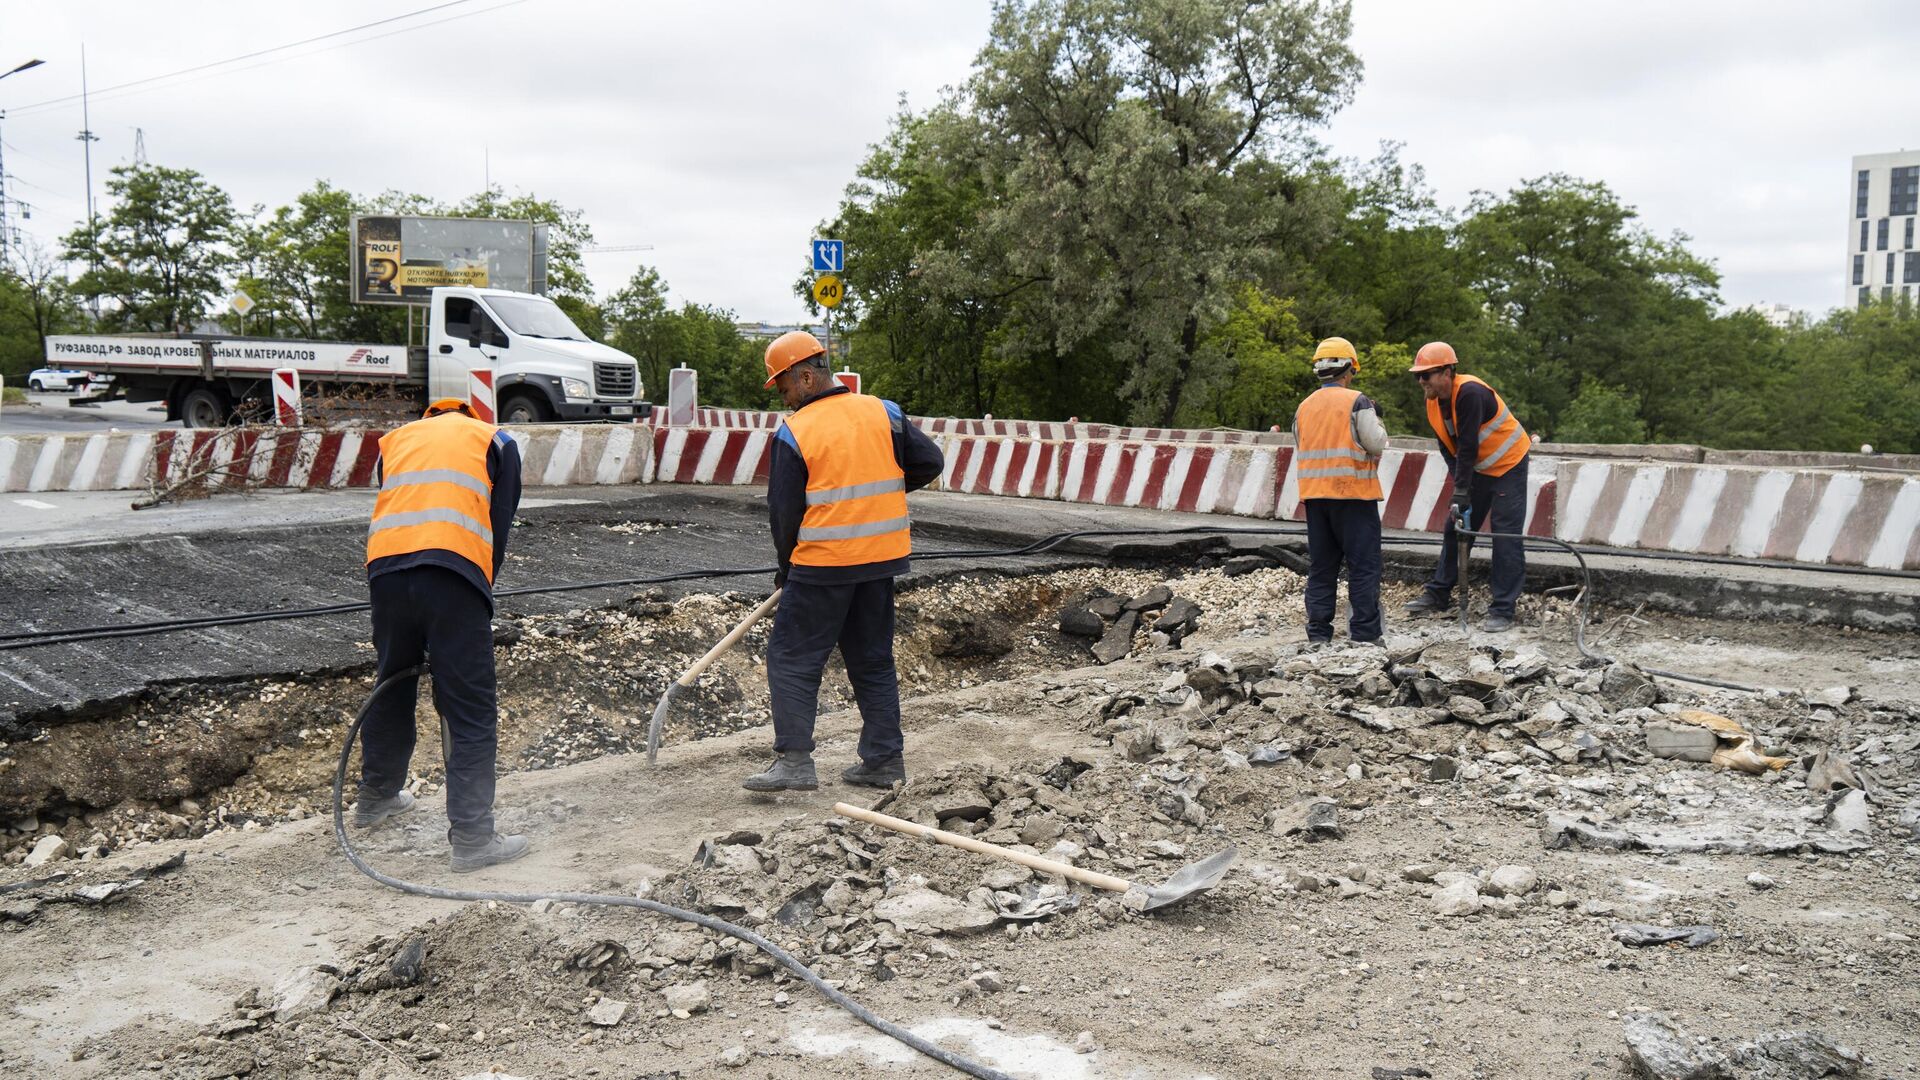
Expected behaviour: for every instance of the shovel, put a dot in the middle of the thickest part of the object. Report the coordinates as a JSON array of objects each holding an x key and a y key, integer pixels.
[
  {"x": 1463, "y": 543},
  {"x": 1189, "y": 879},
  {"x": 700, "y": 666}
]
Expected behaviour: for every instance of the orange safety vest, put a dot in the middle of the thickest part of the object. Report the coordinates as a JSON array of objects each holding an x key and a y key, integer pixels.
[
  {"x": 856, "y": 491},
  {"x": 1503, "y": 442},
  {"x": 435, "y": 494},
  {"x": 1327, "y": 457}
]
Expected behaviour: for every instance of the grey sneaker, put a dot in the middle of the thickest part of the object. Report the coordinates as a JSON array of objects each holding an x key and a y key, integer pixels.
[
  {"x": 370, "y": 812},
  {"x": 881, "y": 774},
  {"x": 500, "y": 849},
  {"x": 1497, "y": 624},
  {"x": 1429, "y": 603},
  {"x": 790, "y": 771}
]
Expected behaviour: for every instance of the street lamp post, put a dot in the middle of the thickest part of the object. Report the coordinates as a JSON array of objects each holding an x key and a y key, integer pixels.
[{"x": 6, "y": 226}]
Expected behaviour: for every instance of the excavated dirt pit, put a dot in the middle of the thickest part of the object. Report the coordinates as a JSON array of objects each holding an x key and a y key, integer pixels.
[{"x": 1445, "y": 847}]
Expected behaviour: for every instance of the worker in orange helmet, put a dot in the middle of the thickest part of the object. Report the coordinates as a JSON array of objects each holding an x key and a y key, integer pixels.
[
  {"x": 839, "y": 473},
  {"x": 449, "y": 486},
  {"x": 1337, "y": 443},
  {"x": 1486, "y": 449}
]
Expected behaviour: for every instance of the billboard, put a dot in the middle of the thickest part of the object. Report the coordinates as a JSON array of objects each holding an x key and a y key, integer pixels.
[{"x": 399, "y": 259}]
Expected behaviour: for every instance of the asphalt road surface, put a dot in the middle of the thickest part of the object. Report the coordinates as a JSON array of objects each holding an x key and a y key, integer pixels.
[{"x": 55, "y": 414}]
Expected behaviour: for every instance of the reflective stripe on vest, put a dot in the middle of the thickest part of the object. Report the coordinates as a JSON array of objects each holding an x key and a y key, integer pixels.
[
  {"x": 1503, "y": 442},
  {"x": 1328, "y": 460},
  {"x": 856, "y": 491},
  {"x": 435, "y": 494}
]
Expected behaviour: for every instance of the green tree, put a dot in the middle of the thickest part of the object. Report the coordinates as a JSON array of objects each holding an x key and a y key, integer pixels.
[
  {"x": 1253, "y": 369},
  {"x": 641, "y": 323},
  {"x": 1601, "y": 414},
  {"x": 1137, "y": 152},
  {"x": 34, "y": 302},
  {"x": 161, "y": 256}
]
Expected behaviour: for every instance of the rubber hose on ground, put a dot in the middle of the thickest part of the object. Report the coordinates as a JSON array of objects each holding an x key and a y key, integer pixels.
[{"x": 780, "y": 956}]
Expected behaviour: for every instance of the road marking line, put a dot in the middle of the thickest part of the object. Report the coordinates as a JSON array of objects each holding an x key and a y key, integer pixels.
[{"x": 35, "y": 504}]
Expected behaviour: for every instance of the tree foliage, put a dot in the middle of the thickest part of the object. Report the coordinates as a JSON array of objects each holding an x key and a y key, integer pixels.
[{"x": 162, "y": 254}]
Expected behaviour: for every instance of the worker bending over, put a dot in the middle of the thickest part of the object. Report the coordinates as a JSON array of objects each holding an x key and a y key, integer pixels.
[
  {"x": 1486, "y": 449},
  {"x": 449, "y": 486},
  {"x": 1338, "y": 440},
  {"x": 841, "y": 467}
]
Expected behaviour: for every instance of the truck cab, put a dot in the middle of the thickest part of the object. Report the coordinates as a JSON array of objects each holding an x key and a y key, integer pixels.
[{"x": 544, "y": 367}]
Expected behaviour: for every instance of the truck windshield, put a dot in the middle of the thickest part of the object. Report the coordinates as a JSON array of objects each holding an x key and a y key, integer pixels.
[{"x": 534, "y": 317}]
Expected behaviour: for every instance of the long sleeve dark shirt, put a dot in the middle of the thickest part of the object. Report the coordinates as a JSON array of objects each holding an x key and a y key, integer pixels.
[
  {"x": 503, "y": 468},
  {"x": 917, "y": 456},
  {"x": 1477, "y": 406}
]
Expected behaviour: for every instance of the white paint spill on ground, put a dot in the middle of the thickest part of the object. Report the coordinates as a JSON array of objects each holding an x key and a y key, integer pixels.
[
  {"x": 34, "y": 504},
  {"x": 1038, "y": 1056}
]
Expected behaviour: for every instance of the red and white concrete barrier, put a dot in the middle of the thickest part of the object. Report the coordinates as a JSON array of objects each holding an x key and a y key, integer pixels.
[
  {"x": 1851, "y": 518},
  {"x": 848, "y": 379},
  {"x": 480, "y": 393},
  {"x": 109, "y": 461},
  {"x": 737, "y": 418},
  {"x": 708, "y": 456},
  {"x": 286, "y": 396}
]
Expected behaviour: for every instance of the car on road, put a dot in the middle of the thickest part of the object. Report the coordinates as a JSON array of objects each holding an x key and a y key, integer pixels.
[{"x": 41, "y": 380}]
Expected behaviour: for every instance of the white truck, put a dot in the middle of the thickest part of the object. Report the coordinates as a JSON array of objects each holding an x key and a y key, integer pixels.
[{"x": 544, "y": 368}]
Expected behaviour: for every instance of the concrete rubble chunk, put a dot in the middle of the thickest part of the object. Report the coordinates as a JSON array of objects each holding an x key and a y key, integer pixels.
[
  {"x": 925, "y": 911},
  {"x": 1848, "y": 813},
  {"x": 1642, "y": 935},
  {"x": 1798, "y": 1055},
  {"x": 1241, "y": 565},
  {"x": 735, "y": 1057},
  {"x": 1118, "y": 640},
  {"x": 1458, "y": 899},
  {"x": 1833, "y": 696},
  {"x": 685, "y": 999},
  {"x": 1659, "y": 1050},
  {"x": 607, "y": 1013},
  {"x": 45, "y": 850},
  {"x": 1106, "y": 605},
  {"x": 306, "y": 992},
  {"x": 1081, "y": 621},
  {"x": 1314, "y": 817},
  {"x": 1628, "y": 688},
  {"x": 1180, "y": 614},
  {"x": 1512, "y": 881},
  {"x": 1686, "y": 742},
  {"x": 1152, "y": 600}
]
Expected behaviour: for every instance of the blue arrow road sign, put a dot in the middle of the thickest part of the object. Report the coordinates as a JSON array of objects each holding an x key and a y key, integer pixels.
[{"x": 829, "y": 256}]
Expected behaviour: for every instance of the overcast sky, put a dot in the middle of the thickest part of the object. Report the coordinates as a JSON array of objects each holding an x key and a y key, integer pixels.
[{"x": 723, "y": 133}]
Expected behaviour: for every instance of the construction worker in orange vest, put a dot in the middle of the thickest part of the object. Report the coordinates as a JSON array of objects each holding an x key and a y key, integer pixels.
[
  {"x": 841, "y": 467},
  {"x": 1337, "y": 442},
  {"x": 1486, "y": 450},
  {"x": 449, "y": 486}
]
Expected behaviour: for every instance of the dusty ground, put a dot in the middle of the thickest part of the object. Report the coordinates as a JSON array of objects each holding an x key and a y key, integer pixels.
[{"x": 1314, "y": 959}]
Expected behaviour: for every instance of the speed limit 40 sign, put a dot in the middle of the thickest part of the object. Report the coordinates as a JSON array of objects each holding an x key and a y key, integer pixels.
[{"x": 827, "y": 291}]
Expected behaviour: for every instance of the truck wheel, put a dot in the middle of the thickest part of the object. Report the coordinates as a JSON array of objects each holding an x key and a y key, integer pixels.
[
  {"x": 204, "y": 408},
  {"x": 525, "y": 407}
]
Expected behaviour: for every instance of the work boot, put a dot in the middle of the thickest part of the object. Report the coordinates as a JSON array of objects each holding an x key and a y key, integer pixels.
[
  {"x": 880, "y": 774},
  {"x": 1429, "y": 603},
  {"x": 369, "y": 810},
  {"x": 498, "y": 849},
  {"x": 792, "y": 770},
  {"x": 1497, "y": 623}
]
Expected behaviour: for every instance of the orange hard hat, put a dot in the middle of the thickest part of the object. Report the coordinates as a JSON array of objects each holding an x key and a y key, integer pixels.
[
  {"x": 447, "y": 404},
  {"x": 1434, "y": 354},
  {"x": 789, "y": 349}
]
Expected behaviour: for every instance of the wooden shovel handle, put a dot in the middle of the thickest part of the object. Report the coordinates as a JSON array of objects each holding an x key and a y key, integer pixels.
[
  {"x": 968, "y": 843},
  {"x": 733, "y": 638}
]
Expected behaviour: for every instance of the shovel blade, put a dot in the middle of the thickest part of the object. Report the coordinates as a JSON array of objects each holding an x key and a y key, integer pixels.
[
  {"x": 1192, "y": 878},
  {"x": 659, "y": 721}
]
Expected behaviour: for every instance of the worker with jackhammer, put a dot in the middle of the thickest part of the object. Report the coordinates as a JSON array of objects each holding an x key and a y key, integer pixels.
[
  {"x": 1337, "y": 442},
  {"x": 839, "y": 474},
  {"x": 1486, "y": 450},
  {"x": 449, "y": 486}
]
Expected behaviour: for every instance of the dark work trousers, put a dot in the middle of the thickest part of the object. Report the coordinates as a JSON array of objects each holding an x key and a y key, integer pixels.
[
  {"x": 811, "y": 620},
  {"x": 1504, "y": 500},
  {"x": 1343, "y": 530},
  {"x": 432, "y": 613}
]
